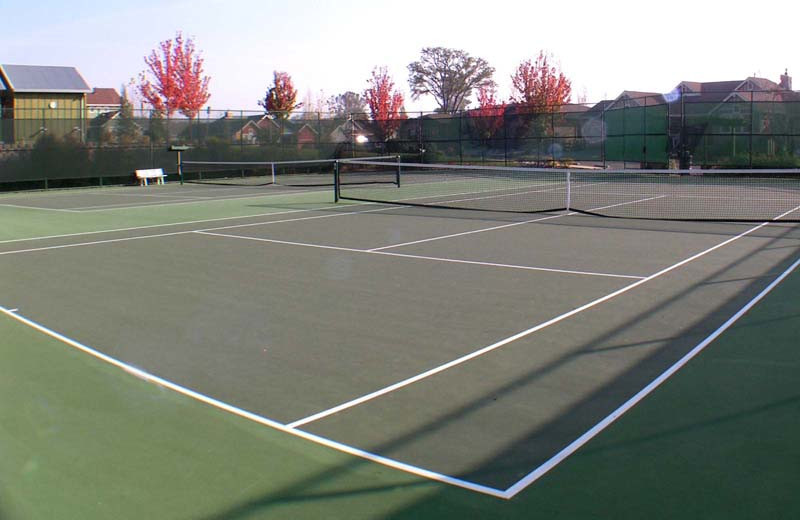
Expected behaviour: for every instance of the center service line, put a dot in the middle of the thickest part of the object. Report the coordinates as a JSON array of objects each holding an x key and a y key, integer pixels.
[
  {"x": 417, "y": 257},
  {"x": 503, "y": 226}
]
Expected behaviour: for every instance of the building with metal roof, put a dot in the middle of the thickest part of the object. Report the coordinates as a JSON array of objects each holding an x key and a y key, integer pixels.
[{"x": 35, "y": 100}]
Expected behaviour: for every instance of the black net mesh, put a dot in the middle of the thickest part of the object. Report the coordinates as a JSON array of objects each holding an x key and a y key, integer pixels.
[{"x": 725, "y": 195}]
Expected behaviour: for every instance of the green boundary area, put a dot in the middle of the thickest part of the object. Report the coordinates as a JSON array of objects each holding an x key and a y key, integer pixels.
[
  {"x": 82, "y": 439},
  {"x": 22, "y": 223}
]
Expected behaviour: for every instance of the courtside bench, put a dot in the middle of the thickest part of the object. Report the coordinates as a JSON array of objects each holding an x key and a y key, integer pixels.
[{"x": 145, "y": 175}]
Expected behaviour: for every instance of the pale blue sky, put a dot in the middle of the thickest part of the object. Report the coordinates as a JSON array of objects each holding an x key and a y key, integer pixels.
[{"x": 331, "y": 46}]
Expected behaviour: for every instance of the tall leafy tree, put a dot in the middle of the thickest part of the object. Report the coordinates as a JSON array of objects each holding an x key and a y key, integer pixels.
[
  {"x": 487, "y": 119},
  {"x": 539, "y": 85},
  {"x": 314, "y": 105},
  {"x": 281, "y": 98},
  {"x": 384, "y": 102},
  {"x": 192, "y": 84},
  {"x": 126, "y": 130},
  {"x": 157, "y": 127},
  {"x": 347, "y": 104},
  {"x": 449, "y": 75},
  {"x": 174, "y": 78}
]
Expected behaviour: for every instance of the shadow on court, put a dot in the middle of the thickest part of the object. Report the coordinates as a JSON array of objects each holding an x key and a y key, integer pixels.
[
  {"x": 788, "y": 230},
  {"x": 597, "y": 472}
]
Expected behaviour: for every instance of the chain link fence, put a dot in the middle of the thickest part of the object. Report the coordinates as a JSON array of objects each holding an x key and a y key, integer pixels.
[{"x": 52, "y": 148}]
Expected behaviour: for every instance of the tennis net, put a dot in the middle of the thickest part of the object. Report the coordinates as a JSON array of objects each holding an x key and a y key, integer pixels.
[
  {"x": 722, "y": 195},
  {"x": 319, "y": 172}
]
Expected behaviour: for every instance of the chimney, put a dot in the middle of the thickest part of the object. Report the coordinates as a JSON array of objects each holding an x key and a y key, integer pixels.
[{"x": 786, "y": 80}]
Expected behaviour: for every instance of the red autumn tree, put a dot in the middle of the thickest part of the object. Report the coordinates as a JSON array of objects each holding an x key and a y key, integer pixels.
[
  {"x": 539, "y": 85},
  {"x": 280, "y": 99},
  {"x": 488, "y": 117},
  {"x": 385, "y": 104},
  {"x": 176, "y": 80}
]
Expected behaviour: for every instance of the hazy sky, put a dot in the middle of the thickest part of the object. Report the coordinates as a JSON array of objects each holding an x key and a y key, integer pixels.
[{"x": 331, "y": 46}]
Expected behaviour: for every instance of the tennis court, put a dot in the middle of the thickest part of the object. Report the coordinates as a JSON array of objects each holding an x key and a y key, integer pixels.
[{"x": 471, "y": 348}]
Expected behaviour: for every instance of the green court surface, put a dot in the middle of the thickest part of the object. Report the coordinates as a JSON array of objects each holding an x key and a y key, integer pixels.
[{"x": 234, "y": 353}]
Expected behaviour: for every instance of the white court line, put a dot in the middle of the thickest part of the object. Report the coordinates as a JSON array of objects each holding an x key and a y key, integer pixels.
[
  {"x": 511, "y": 266},
  {"x": 183, "y": 223},
  {"x": 644, "y": 392},
  {"x": 419, "y": 257},
  {"x": 116, "y": 207},
  {"x": 313, "y": 217},
  {"x": 308, "y": 436},
  {"x": 503, "y": 226},
  {"x": 155, "y": 195},
  {"x": 174, "y": 233},
  {"x": 286, "y": 242},
  {"x": 441, "y": 368},
  {"x": 38, "y": 208},
  {"x": 151, "y": 378},
  {"x": 121, "y": 206},
  {"x": 96, "y": 242}
]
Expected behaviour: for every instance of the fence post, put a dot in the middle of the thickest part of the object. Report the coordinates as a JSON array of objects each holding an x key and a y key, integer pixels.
[
  {"x": 603, "y": 134},
  {"x": 460, "y": 138},
  {"x": 420, "y": 128},
  {"x": 624, "y": 135},
  {"x": 505, "y": 139},
  {"x": 551, "y": 149},
  {"x": 752, "y": 129},
  {"x": 352, "y": 136},
  {"x": 644, "y": 134}
]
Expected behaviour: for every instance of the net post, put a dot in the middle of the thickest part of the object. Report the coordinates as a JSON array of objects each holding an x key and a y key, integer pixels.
[
  {"x": 179, "y": 149},
  {"x": 336, "y": 181},
  {"x": 569, "y": 190},
  {"x": 180, "y": 167},
  {"x": 272, "y": 168},
  {"x": 397, "y": 175}
]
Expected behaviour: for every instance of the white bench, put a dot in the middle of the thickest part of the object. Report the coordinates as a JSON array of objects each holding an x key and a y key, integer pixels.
[{"x": 145, "y": 175}]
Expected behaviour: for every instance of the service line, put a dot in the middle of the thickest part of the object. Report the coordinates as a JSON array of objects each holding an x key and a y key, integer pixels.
[{"x": 477, "y": 353}]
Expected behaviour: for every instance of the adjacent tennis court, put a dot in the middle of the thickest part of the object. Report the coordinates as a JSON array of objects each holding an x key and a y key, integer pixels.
[{"x": 471, "y": 348}]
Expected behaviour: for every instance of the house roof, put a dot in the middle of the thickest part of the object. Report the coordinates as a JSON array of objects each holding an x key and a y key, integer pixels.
[
  {"x": 37, "y": 78},
  {"x": 572, "y": 108},
  {"x": 710, "y": 86},
  {"x": 600, "y": 107},
  {"x": 306, "y": 125},
  {"x": 103, "y": 119},
  {"x": 103, "y": 96},
  {"x": 757, "y": 89},
  {"x": 637, "y": 98}
]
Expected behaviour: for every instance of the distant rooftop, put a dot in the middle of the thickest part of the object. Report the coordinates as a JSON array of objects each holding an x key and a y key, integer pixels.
[
  {"x": 104, "y": 96},
  {"x": 37, "y": 78}
]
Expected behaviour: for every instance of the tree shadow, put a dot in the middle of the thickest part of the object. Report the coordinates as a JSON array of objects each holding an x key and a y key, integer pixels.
[{"x": 503, "y": 469}]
